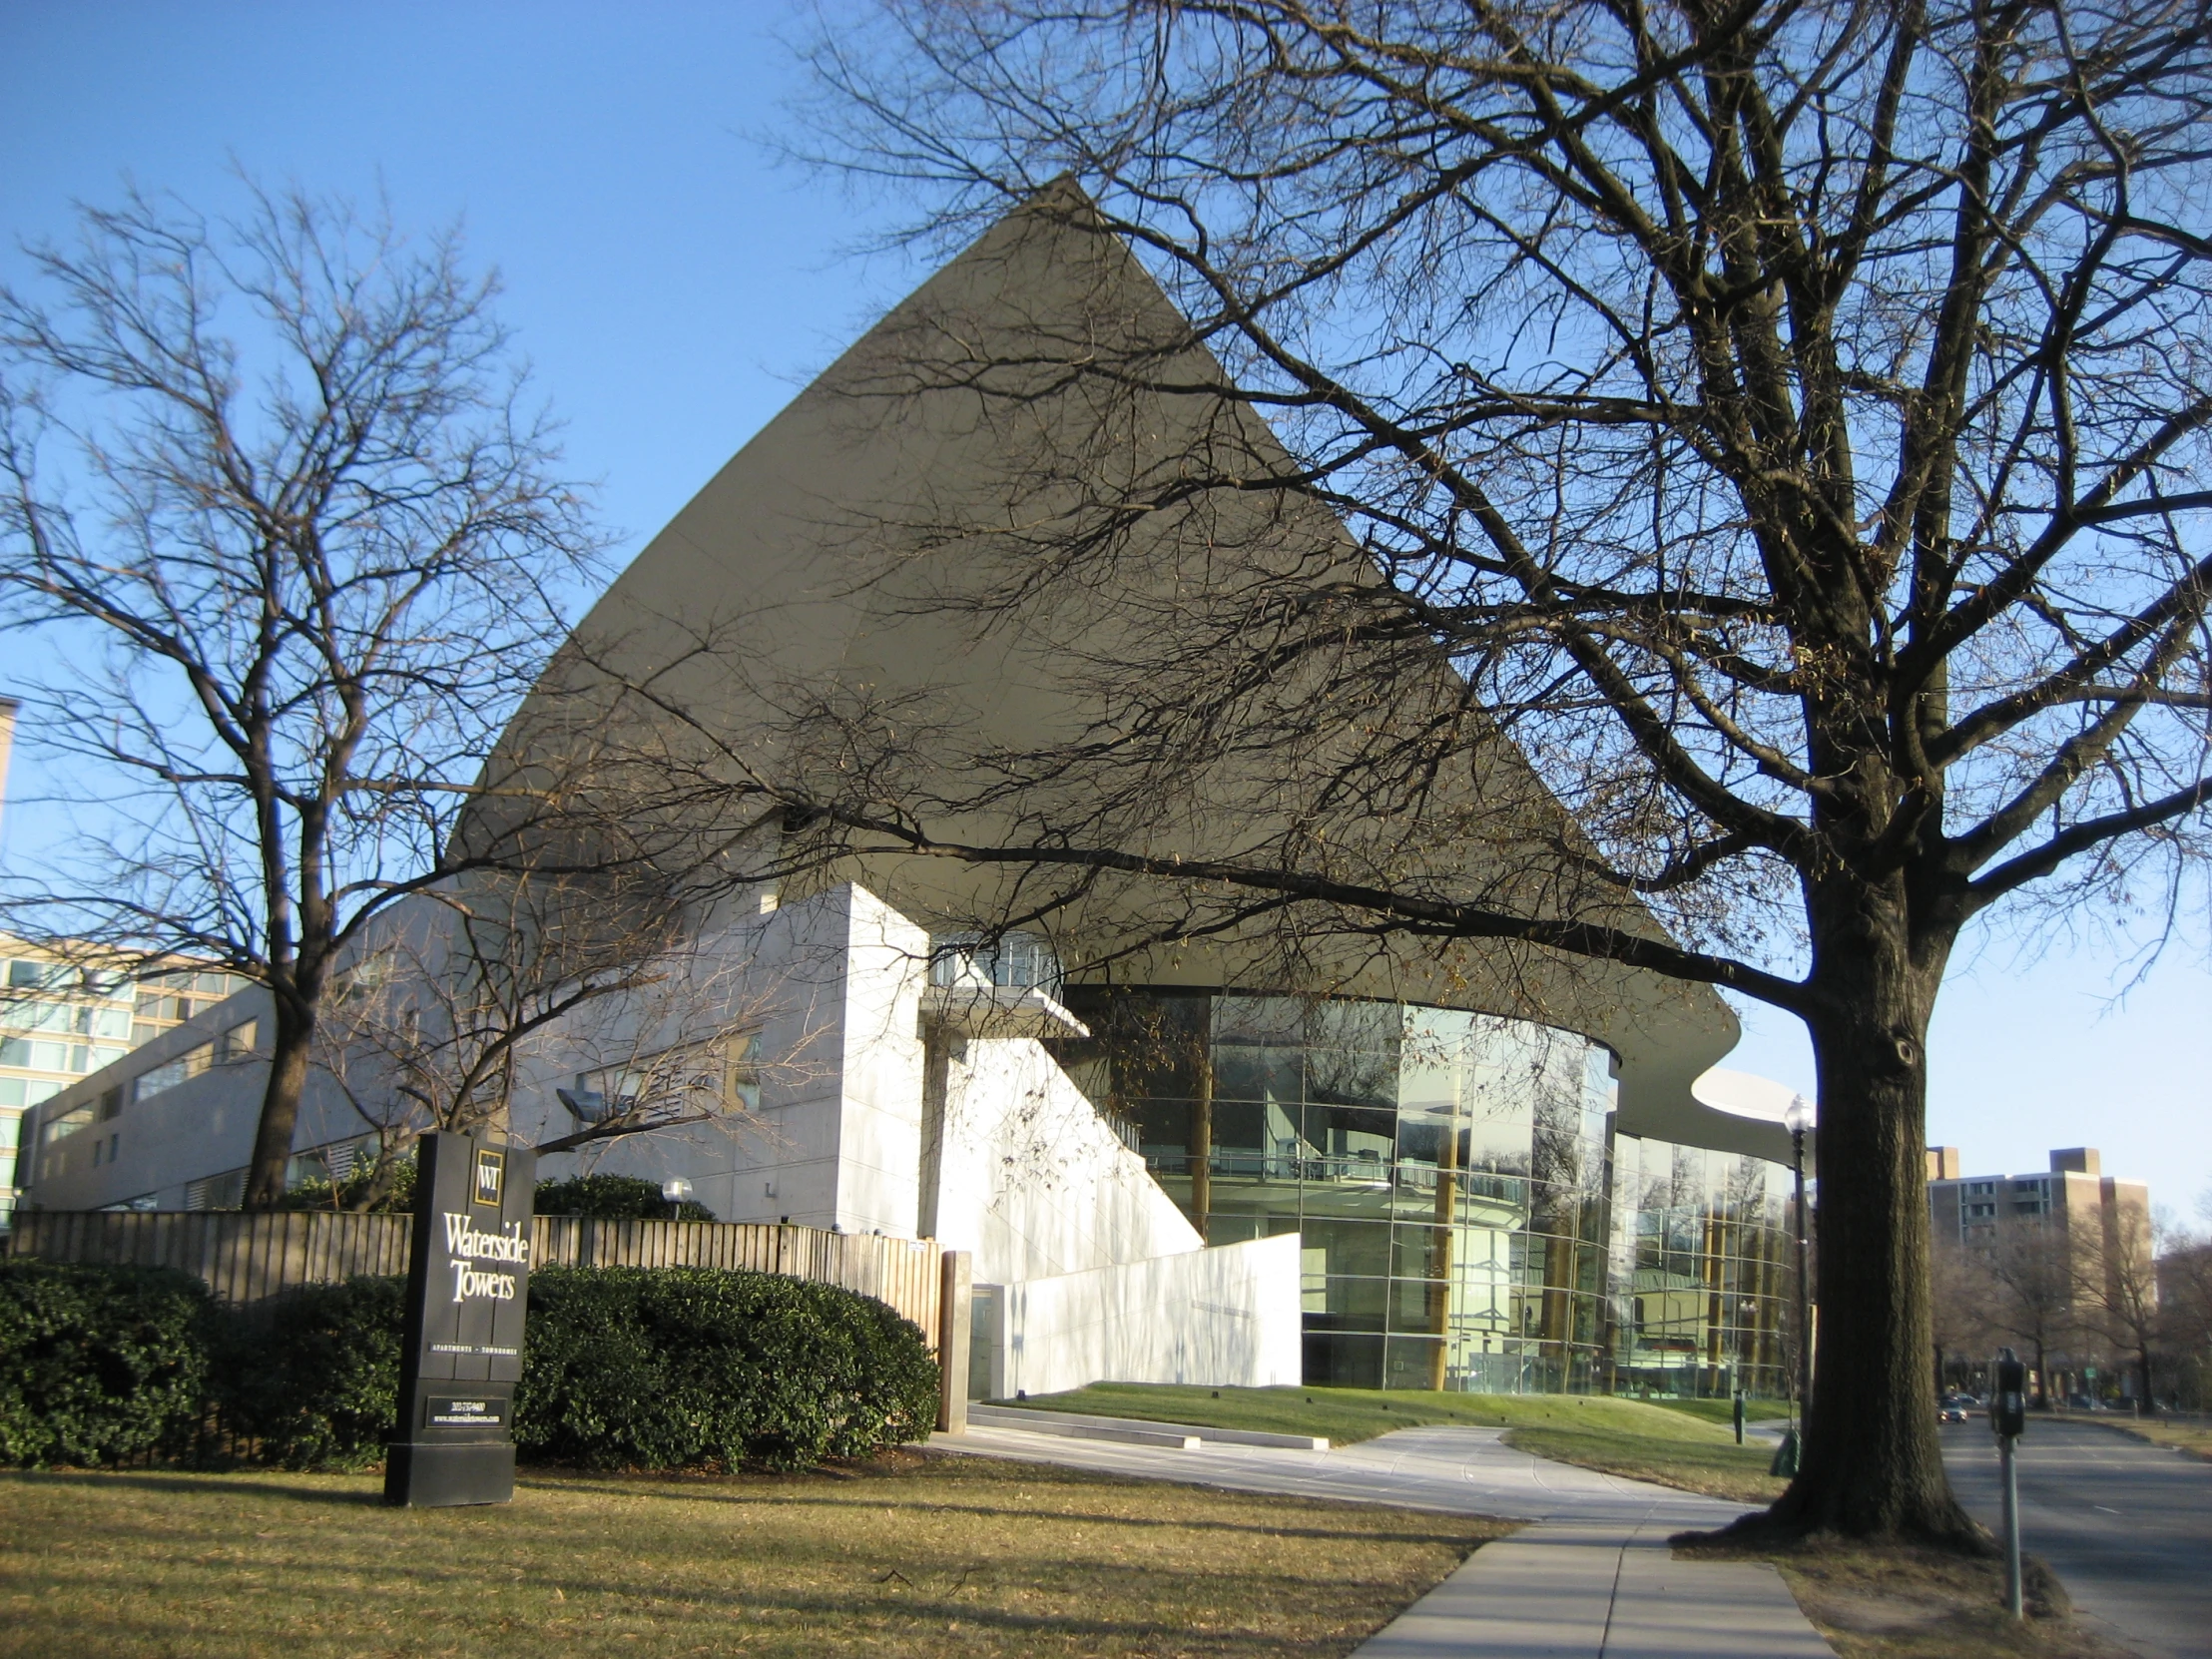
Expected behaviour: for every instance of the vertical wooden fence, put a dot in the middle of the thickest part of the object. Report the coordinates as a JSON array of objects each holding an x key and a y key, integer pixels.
[{"x": 246, "y": 1259}]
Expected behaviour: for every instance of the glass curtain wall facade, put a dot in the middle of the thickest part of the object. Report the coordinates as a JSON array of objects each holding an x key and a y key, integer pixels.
[
  {"x": 1450, "y": 1176},
  {"x": 1446, "y": 1172},
  {"x": 1703, "y": 1272}
]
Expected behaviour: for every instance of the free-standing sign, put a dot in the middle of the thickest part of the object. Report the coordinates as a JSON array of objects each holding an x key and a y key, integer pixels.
[{"x": 468, "y": 1286}]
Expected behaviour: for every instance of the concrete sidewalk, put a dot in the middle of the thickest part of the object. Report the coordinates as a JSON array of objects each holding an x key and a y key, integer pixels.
[
  {"x": 1592, "y": 1578},
  {"x": 1565, "y": 1591}
]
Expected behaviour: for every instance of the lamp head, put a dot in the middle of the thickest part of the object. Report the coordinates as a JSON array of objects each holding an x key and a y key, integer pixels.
[
  {"x": 675, "y": 1189},
  {"x": 1801, "y": 1116}
]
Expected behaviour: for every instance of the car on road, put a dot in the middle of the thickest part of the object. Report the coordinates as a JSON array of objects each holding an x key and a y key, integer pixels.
[{"x": 1950, "y": 1414}]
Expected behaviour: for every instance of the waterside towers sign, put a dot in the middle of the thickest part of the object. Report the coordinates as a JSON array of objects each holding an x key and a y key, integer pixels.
[{"x": 468, "y": 1284}]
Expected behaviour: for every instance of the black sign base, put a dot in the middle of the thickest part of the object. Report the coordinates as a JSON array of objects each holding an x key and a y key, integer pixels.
[{"x": 444, "y": 1475}]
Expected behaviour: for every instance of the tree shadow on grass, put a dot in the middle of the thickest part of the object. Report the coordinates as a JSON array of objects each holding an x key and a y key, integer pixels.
[
  {"x": 256, "y": 1481},
  {"x": 644, "y": 1487}
]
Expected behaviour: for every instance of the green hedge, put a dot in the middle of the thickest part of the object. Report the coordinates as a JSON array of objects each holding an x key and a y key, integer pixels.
[
  {"x": 658, "y": 1368},
  {"x": 624, "y": 1367},
  {"x": 313, "y": 1375},
  {"x": 614, "y": 1198},
  {"x": 100, "y": 1363}
]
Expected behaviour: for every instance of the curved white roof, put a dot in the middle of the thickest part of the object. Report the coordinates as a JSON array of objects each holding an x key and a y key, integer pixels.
[{"x": 805, "y": 573}]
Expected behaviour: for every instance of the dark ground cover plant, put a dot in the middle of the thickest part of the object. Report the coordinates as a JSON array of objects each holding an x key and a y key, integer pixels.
[
  {"x": 313, "y": 1379},
  {"x": 624, "y": 1368},
  {"x": 100, "y": 1363}
]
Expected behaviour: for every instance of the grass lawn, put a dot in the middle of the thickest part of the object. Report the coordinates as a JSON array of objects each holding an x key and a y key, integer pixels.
[
  {"x": 1898, "y": 1602},
  {"x": 2193, "y": 1437},
  {"x": 1723, "y": 1411},
  {"x": 908, "y": 1555},
  {"x": 1621, "y": 1437}
]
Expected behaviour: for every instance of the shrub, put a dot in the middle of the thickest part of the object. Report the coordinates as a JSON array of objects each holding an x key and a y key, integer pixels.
[
  {"x": 356, "y": 1192},
  {"x": 313, "y": 1375},
  {"x": 613, "y": 1197},
  {"x": 659, "y": 1368},
  {"x": 99, "y": 1364},
  {"x": 652, "y": 1368}
]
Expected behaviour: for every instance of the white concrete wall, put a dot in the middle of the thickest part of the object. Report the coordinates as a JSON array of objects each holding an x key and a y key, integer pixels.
[
  {"x": 1028, "y": 1176},
  {"x": 1032, "y": 1180},
  {"x": 833, "y": 985},
  {"x": 1222, "y": 1318},
  {"x": 781, "y": 974},
  {"x": 887, "y": 966}
]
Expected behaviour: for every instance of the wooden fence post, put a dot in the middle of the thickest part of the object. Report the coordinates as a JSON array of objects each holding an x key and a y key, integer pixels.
[{"x": 953, "y": 1302}]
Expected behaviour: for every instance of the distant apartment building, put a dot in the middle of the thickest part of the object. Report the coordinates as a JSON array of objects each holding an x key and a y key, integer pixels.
[
  {"x": 66, "y": 1014},
  {"x": 62, "y": 1018},
  {"x": 2075, "y": 1194},
  {"x": 2098, "y": 1224}
]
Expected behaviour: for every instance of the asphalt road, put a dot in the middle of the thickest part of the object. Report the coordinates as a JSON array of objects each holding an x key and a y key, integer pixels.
[{"x": 2127, "y": 1527}]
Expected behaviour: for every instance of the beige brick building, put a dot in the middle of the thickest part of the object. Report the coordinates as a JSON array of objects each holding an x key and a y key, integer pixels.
[{"x": 2091, "y": 1230}]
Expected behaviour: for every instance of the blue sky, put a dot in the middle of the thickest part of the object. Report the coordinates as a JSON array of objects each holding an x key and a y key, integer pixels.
[{"x": 673, "y": 286}]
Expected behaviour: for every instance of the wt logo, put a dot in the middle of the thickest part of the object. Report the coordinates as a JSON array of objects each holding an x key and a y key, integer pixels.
[{"x": 491, "y": 1176}]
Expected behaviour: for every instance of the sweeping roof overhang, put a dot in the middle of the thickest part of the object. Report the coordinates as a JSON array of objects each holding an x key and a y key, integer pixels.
[{"x": 966, "y": 429}]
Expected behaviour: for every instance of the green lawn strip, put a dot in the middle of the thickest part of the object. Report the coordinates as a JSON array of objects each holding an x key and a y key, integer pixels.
[
  {"x": 908, "y": 1555},
  {"x": 1723, "y": 1410},
  {"x": 1719, "y": 1468},
  {"x": 1645, "y": 1440},
  {"x": 2192, "y": 1437},
  {"x": 1348, "y": 1415}
]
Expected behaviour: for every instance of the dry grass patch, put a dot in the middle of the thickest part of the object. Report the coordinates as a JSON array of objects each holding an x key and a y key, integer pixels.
[
  {"x": 1898, "y": 1602},
  {"x": 908, "y": 1555},
  {"x": 2192, "y": 1437}
]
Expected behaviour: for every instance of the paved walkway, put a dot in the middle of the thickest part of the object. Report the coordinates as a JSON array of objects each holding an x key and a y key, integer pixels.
[{"x": 1591, "y": 1578}]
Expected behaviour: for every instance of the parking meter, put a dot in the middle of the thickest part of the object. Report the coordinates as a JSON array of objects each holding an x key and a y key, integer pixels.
[
  {"x": 2009, "y": 1417},
  {"x": 2009, "y": 1410}
]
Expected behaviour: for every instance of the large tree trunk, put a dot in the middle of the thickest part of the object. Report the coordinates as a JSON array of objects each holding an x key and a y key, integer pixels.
[
  {"x": 289, "y": 1046},
  {"x": 1872, "y": 1461}
]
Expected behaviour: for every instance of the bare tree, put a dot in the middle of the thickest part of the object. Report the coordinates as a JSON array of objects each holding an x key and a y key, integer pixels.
[
  {"x": 2032, "y": 1268},
  {"x": 1960, "y": 1291},
  {"x": 1785, "y": 420},
  {"x": 428, "y": 1019},
  {"x": 2186, "y": 1310},
  {"x": 2117, "y": 1287},
  {"x": 303, "y": 554}
]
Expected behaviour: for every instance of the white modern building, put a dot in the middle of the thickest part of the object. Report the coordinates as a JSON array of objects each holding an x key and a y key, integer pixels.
[
  {"x": 849, "y": 1078},
  {"x": 1385, "y": 1167}
]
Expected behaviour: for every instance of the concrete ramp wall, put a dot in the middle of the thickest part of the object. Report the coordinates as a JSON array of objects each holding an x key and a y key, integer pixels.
[
  {"x": 1031, "y": 1177},
  {"x": 1223, "y": 1317}
]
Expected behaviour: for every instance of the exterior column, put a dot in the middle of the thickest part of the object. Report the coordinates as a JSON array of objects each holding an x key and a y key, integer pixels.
[
  {"x": 954, "y": 1313},
  {"x": 1440, "y": 1294},
  {"x": 1201, "y": 1153}
]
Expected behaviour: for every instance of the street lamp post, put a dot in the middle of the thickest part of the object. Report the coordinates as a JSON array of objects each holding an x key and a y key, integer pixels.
[
  {"x": 1798, "y": 1119},
  {"x": 675, "y": 1189}
]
